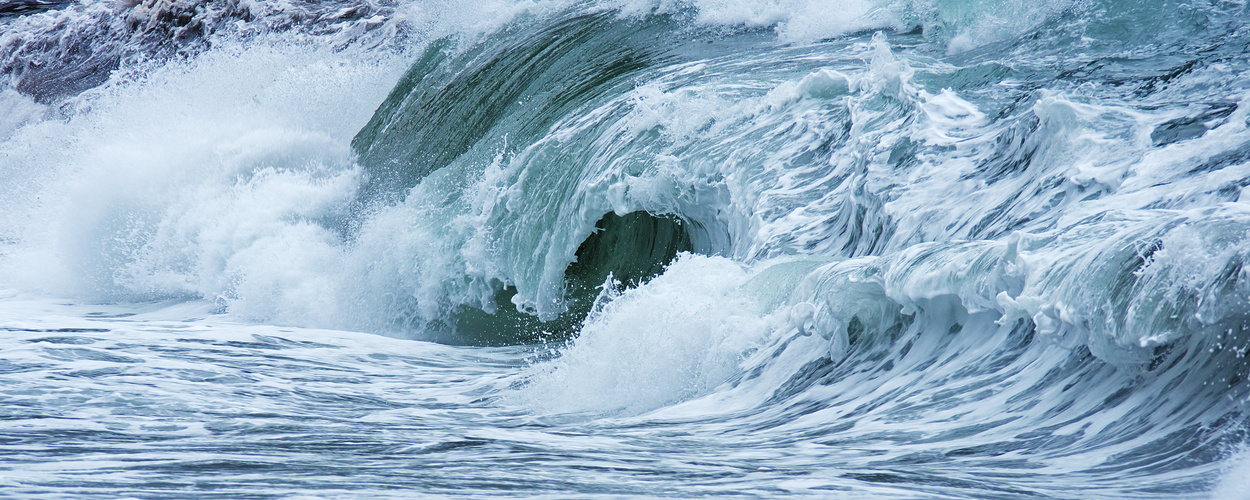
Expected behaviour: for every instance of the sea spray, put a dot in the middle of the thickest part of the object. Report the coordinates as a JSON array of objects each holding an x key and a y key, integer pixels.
[
  {"x": 679, "y": 335},
  {"x": 950, "y": 249}
]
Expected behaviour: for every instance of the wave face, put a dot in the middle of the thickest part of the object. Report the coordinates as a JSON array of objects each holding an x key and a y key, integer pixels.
[{"x": 904, "y": 249}]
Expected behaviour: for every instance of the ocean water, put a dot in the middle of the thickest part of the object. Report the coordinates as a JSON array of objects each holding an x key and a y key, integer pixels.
[{"x": 904, "y": 249}]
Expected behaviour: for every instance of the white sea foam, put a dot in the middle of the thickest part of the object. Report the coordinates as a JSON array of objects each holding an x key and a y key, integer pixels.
[
  {"x": 954, "y": 255},
  {"x": 1235, "y": 483},
  {"x": 960, "y": 24},
  {"x": 203, "y": 179},
  {"x": 679, "y": 335}
]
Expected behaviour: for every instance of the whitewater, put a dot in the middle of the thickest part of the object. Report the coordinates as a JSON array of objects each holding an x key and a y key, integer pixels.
[{"x": 938, "y": 249}]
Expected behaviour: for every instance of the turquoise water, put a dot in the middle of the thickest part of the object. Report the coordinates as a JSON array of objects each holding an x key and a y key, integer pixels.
[{"x": 867, "y": 250}]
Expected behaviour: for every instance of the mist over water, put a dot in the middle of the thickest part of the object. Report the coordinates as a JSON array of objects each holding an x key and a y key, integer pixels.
[{"x": 873, "y": 249}]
